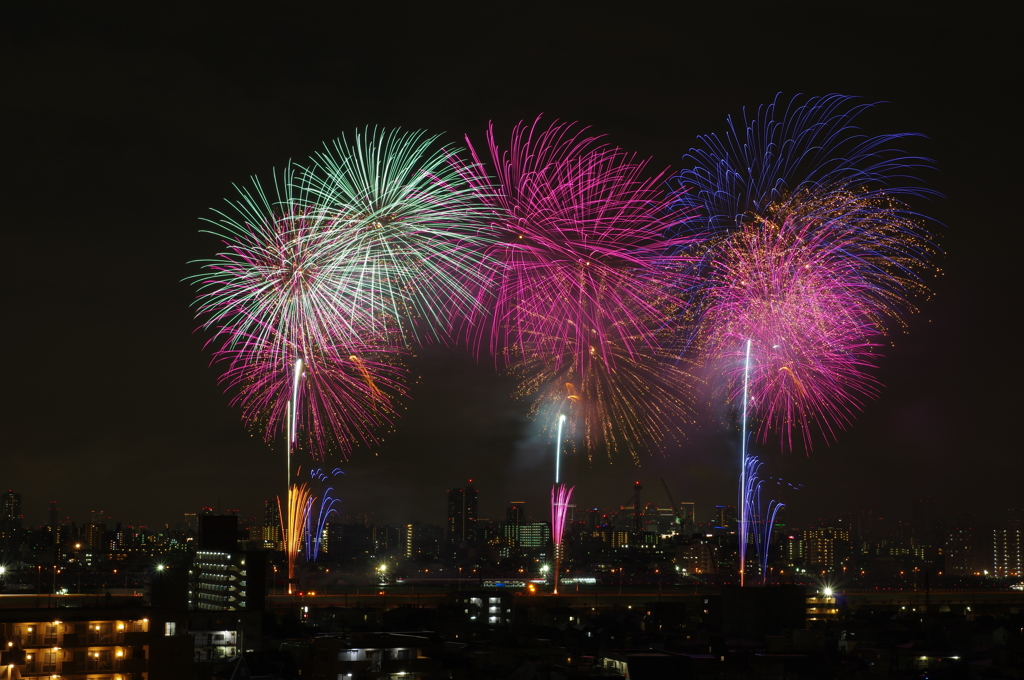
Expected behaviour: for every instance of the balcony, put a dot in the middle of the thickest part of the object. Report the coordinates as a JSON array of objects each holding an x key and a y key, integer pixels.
[
  {"x": 95, "y": 664},
  {"x": 132, "y": 666},
  {"x": 136, "y": 639}
]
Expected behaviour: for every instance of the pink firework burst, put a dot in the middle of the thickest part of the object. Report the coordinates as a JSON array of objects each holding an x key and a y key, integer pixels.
[
  {"x": 812, "y": 287},
  {"x": 587, "y": 274}
]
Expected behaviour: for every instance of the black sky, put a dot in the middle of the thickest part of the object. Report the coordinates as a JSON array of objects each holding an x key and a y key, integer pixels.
[{"x": 124, "y": 126}]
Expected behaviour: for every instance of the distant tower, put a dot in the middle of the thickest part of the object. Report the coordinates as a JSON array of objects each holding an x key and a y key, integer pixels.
[
  {"x": 11, "y": 512},
  {"x": 963, "y": 554},
  {"x": 725, "y": 516},
  {"x": 272, "y": 526},
  {"x": 516, "y": 512},
  {"x": 10, "y": 524},
  {"x": 462, "y": 514},
  {"x": 54, "y": 515},
  {"x": 1008, "y": 546}
]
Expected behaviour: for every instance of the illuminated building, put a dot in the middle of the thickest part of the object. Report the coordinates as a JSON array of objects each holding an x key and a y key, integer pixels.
[
  {"x": 272, "y": 526},
  {"x": 794, "y": 547},
  {"x": 10, "y": 524},
  {"x": 408, "y": 535},
  {"x": 132, "y": 643},
  {"x": 91, "y": 535},
  {"x": 226, "y": 592},
  {"x": 10, "y": 512},
  {"x": 54, "y": 515},
  {"x": 725, "y": 516},
  {"x": 490, "y": 608},
  {"x": 824, "y": 546},
  {"x": 1007, "y": 547},
  {"x": 374, "y": 655},
  {"x": 387, "y": 539},
  {"x": 963, "y": 558},
  {"x": 533, "y": 535},
  {"x": 223, "y": 578},
  {"x": 698, "y": 557}
]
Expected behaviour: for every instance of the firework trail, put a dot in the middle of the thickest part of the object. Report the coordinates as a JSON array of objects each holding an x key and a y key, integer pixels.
[
  {"x": 319, "y": 509},
  {"x": 558, "y": 447},
  {"x": 744, "y": 519},
  {"x": 293, "y": 526},
  {"x": 812, "y": 255},
  {"x": 584, "y": 282},
  {"x": 560, "y": 496},
  {"x": 405, "y": 223},
  {"x": 278, "y": 295},
  {"x": 760, "y": 518}
]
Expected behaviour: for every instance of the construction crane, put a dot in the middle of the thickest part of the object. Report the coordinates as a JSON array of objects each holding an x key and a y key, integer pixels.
[
  {"x": 675, "y": 508},
  {"x": 635, "y": 498},
  {"x": 637, "y": 512}
]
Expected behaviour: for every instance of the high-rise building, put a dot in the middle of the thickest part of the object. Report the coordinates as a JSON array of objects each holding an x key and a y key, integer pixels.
[
  {"x": 793, "y": 543},
  {"x": 687, "y": 513},
  {"x": 10, "y": 514},
  {"x": 516, "y": 512},
  {"x": 10, "y": 524},
  {"x": 533, "y": 535},
  {"x": 462, "y": 515},
  {"x": 725, "y": 516},
  {"x": 1008, "y": 546},
  {"x": 963, "y": 556},
  {"x": 92, "y": 536},
  {"x": 825, "y": 546},
  {"x": 408, "y": 537},
  {"x": 387, "y": 539},
  {"x": 272, "y": 539},
  {"x": 54, "y": 515},
  {"x": 227, "y": 580}
]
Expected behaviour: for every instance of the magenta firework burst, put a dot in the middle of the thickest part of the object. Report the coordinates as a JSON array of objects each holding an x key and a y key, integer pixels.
[
  {"x": 788, "y": 290},
  {"x": 813, "y": 256},
  {"x": 585, "y": 278}
]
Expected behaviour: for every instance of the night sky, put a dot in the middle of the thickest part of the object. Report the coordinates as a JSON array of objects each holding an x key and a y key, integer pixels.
[{"x": 123, "y": 128}]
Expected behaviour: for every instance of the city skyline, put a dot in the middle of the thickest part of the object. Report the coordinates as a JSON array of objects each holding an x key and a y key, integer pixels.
[{"x": 112, "y": 398}]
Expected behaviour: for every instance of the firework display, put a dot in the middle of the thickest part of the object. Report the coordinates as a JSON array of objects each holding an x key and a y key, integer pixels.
[
  {"x": 405, "y": 222},
  {"x": 278, "y": 295},
  {"x": 812, "y": 255},
  {"x": 759, "y": 517},
  {"x": 778, "y": 262},
  {"x": 318, "y": 510},
  {"x": 293, "y": 526},
  {"x": 586, "y": 278},
  {"x": 810, "y": 145}
]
